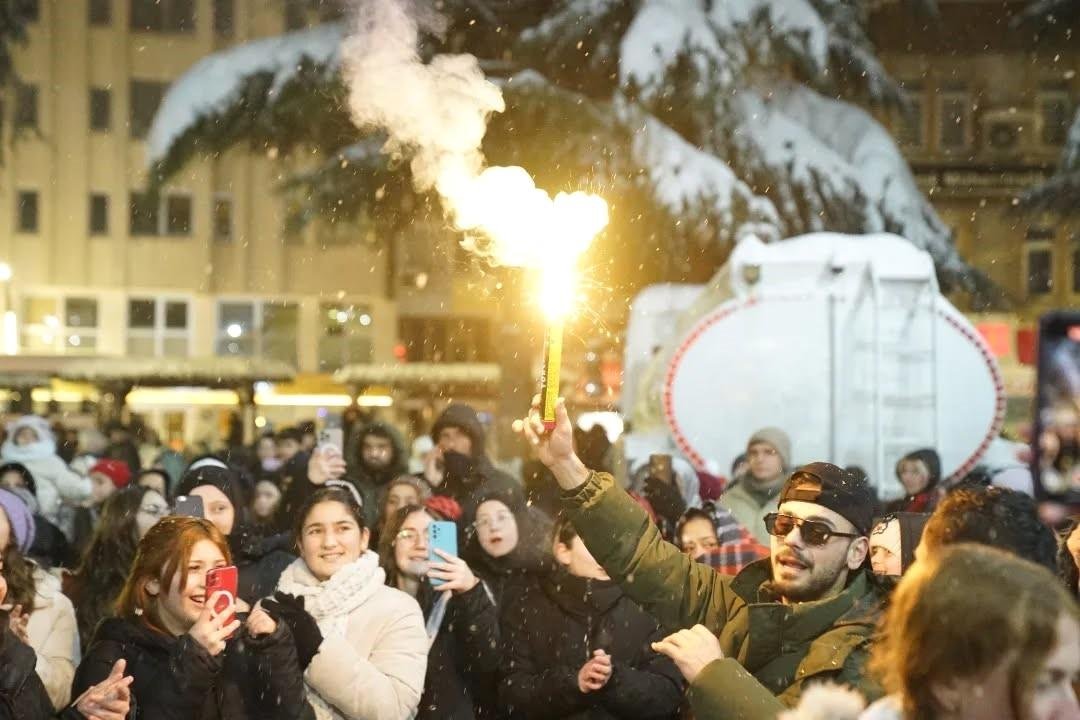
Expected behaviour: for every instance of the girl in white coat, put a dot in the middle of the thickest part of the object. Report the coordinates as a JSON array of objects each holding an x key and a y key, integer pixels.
[
  {"x": 30, "y": 441},
  {"x": 370, "y": 660}
]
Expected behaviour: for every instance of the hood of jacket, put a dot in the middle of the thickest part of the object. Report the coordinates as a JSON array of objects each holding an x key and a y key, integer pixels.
[
  {"x": 465, "y": 418},
  {"x": 399, "y": 462},
  {"x": 44, "y": 447},
  {"x": 931, "y": 460}
]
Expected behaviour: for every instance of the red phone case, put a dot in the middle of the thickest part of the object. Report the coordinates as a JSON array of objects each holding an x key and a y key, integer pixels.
[{"x": 222, "y": 579}]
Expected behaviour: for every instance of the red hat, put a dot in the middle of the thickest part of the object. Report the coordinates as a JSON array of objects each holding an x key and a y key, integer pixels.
[
  {"x": 444, "y": 506},
  {"x": 116, "y": 470}
]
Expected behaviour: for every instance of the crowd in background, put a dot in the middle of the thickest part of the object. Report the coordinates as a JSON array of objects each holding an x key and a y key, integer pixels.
[{"x": 788, "y": 589}]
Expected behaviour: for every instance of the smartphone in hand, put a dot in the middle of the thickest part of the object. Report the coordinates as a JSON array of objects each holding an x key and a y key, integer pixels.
[
  {"x": 224, "y": 580},
  {"x": 661, "y": 469},
  {"x": 443, "y": 537},
  {"x": 189, "y": 506}
]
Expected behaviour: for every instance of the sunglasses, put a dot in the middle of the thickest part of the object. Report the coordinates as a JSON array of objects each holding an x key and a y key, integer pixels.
[{"x": 812, "y": 531}]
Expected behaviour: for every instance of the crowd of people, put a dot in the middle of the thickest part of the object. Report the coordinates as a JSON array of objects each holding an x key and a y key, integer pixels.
[{"x": 785, "y": 591}]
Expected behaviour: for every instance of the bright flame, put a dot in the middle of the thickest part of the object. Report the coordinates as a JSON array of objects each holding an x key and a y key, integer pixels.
[{"x": 512, "y": 222}]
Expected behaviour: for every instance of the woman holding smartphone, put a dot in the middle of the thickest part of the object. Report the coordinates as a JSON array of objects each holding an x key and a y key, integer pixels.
[
  {"x": 367, "y": 647},
  {"x": 462, "y": 622},
  {"x": 189, "y": 656}
]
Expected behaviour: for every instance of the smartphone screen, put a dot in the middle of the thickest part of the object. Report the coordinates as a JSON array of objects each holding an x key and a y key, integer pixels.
[
  {"x": 224, "y": 580},
  {"x": 1056, "y": 438},
  {"x": 443, "y": 537},
  {"x": 189, "y": 506},
  {"x": 660, "y": 468}
]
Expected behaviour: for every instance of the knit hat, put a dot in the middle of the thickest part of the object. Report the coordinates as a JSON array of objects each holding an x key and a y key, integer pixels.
[
  {"x": 116, "y": 470},
  {"x": 20, "y": 518},
  {"x": 842, "y": 491},
  {"x": 777, "y": 439},
  {"x": 224, "y": 479}
]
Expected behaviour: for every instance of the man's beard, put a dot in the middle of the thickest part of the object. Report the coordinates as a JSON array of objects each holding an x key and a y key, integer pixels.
[{"x": 812, "y": 586}]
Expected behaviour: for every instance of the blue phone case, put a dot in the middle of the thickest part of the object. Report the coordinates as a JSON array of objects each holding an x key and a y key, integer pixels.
[{"x": 443, "y": 537}]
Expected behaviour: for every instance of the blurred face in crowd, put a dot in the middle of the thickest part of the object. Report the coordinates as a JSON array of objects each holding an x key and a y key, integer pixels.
[
  {"x": 698, "y": 537},
  {"x": 308, "y": 441},
  {"x": 330, "y": 539},
  {"x": 764, "y": 462},
  {"x": 155, "y": 481},
  {"x": 411, "y": 545},
  {"x": 267, "y": 499},
  {"x": 398, "y": 497},
  {"x": 578, "y": 561},
  {"x": 287, "y": 449},
  {"x": 26, "y": 436},
  {"x": 152, "y": 508},
  {"x": 914, "y": 476},
  {"x": 496, "y": 528},
  {"x": 101, "y": 487},
  {"x": 377, "y": 452},
  {"x": 218, "y": 507},
  {"x": 885, "y": 549},
  {"x": 12, "y": 479},
  {"x": 179, "y": 607},
  {"x": 455, "y": 439},
  {"x": 266, "y": 448},
  {"x": 803, "y": 572}
]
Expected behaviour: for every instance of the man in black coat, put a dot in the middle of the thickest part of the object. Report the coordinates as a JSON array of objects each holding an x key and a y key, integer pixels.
[{"x": 577, "y": 648}]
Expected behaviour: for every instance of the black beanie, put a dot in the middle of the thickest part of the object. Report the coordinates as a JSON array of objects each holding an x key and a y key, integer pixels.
[{"x": 224, "y": 479}]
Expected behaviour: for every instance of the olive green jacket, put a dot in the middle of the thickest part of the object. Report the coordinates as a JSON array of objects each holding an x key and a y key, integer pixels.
[{"x": 771, "y": 650}]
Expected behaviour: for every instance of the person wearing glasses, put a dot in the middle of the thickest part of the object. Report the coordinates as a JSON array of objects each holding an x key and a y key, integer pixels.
[
  {"x": 95, "y": 585},
  {"x": 460, "y": 615},
  {"x": 749, "y": 644}
]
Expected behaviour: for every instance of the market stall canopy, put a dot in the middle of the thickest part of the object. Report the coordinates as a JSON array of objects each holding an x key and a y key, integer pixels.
[
  {"x": 164, "y": 372},
  {"x": 408, "y": 376}
]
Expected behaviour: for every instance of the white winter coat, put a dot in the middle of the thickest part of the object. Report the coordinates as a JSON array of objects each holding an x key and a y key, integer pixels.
[
  {"x": 372, "y": 661},
  {"x": 826, "y": 701},
  {"x": 54, "y": 636},
  {"x": 55, "y": 482}
]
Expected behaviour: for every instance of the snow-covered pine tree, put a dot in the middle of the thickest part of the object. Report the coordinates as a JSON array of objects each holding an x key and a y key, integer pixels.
[{"x": 699, "y": 120}]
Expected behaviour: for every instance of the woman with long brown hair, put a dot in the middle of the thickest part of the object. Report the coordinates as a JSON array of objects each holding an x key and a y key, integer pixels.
[{"x": 188, "y": 660}]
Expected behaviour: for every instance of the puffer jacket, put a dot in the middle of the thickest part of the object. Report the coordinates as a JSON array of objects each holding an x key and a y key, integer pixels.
[
  {"x": 55, "y": 483},
  {"x": 176, "y": 679},
  {"x": 54, "y": 636},
  {"x": 552, "y": 629},
  {"x": 371, "y": 663}
]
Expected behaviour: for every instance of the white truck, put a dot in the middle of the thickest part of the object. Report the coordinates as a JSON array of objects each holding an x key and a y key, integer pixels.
[{"x": 844, "y": 342}]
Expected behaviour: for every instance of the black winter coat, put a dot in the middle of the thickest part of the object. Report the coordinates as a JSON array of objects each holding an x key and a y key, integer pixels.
[
  {"x": 552, "y": 629},
  {"x": 259, "y": 561},
  {"x": 176, "y": 679},
  {"x": 22, "y": 695},
  {"x": 465, "y": 654}
]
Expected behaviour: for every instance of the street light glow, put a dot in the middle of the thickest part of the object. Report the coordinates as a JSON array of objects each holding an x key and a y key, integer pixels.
[
  {"x": 5, "y": 272},
  {"x": 234, "y": 330}
]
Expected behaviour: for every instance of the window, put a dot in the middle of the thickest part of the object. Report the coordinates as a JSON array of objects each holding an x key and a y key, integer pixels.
[
  {"x": 909, "y": 121},
  {"x": 295, "y": 14},
  {"x": 256, "y": 328},
  {"x": 223, "y": 18},
  {"x": 27, "y": 211},
  {"x": 1039, "y": 261},
  {"x": 346, "y": 335},
  {"x": 178, "y": 215},
  {"x": 100, "y": 12},
  {"x": 99, "y": 214},
  {"x": 223, "y": 224},
  {"x": 1055, "y": 115},
  {"x": 26, "y": 106},
  {"x": 100, "y": 109},
  {"x": 164, "y": 215},
  {"x": 146, "y": 96},
  {"x": 60, "y": 324},
  {"x": 157, "y": 327},
  {"x": 953, "y": 107},
  {"x": 446, "y": 339},
  {"x": 144, "y": 214},
  {"x": 172, "y": 16}
]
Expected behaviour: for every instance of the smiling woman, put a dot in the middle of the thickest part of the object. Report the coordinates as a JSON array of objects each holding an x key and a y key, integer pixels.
[{"x": 189, "y": 658}]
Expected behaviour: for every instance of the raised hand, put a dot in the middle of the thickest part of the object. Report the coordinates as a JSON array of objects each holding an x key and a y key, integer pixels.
[
  {"x": 456, "y": 573},
  {"x": 326, "y": 463},
  {"x": 109, "y": 699},
  {"x": 211, "y": 630},
  {"x": 595, "y": 673},
  {"x": 260, "y": 623},
  {"x": 691, "y": 650},
  {"x": 554, "y": 449}
]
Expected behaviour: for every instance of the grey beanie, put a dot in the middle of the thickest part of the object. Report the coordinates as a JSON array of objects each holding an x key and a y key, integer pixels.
[{"x": 777, "y": 439}]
